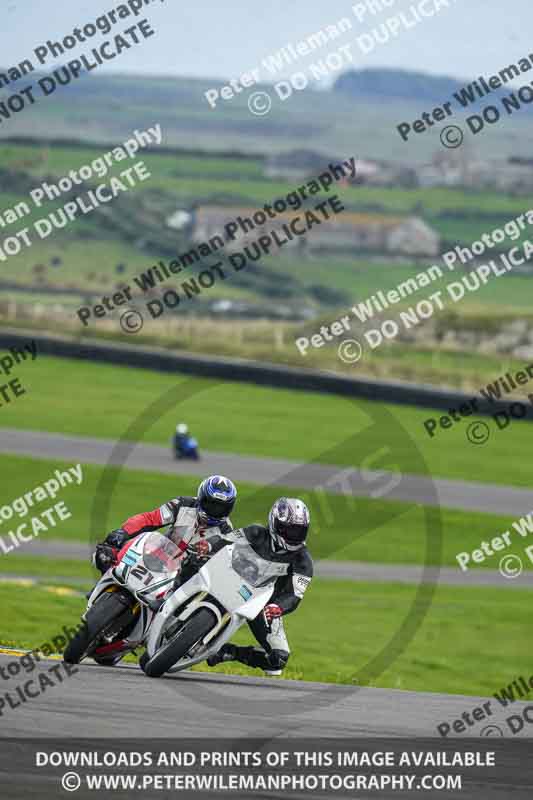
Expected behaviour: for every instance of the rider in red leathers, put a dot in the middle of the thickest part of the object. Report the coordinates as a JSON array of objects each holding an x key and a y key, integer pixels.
[{"x": 192, "y": 519}]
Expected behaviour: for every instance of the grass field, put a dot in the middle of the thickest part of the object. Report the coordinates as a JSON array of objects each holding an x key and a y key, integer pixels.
[
  {"x": 90, "y": 251},
  {"x": 345, "y": 529},
  {"x": 194, "y": 180},
  {"x": 259, "y": 421},
  {"x": 362, "y": 278},
  {"x": 341, "y": 626},
  {"x": 91, "y": 265}
]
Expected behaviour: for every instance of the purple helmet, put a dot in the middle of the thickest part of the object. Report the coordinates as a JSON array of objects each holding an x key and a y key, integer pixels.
[{"x": 288, "y": 523}]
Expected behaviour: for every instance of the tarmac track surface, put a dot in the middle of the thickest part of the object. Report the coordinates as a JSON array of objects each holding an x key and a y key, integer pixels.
[
  {"x": 104, "y": 707},
  {"x": 469, "y": 496},
  {"x": 107, "y": 701}
]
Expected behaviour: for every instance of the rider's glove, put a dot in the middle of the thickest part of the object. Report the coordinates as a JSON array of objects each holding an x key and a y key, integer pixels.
[
  {"x": 117, "y": 538},
  {"x": 104, "y": 557},
  {"x": 272, "y": 611},
  {"x": 202, "y": 548}
]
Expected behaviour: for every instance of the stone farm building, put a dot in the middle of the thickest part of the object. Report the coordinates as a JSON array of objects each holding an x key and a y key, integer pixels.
[{"x": 348, "y": 231}]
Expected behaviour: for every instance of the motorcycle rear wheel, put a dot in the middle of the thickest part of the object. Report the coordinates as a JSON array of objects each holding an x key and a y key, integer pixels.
[{"x": 194, "y": 629}]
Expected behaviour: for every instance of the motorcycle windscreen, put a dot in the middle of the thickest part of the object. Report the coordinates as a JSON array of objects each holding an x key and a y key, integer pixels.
[
  {"x": 160, "y": 554},
  {"x": 254, "y": 569}
]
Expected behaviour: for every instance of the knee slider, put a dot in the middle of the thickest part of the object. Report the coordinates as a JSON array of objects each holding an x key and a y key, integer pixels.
[{"x": 278, "y": 659}]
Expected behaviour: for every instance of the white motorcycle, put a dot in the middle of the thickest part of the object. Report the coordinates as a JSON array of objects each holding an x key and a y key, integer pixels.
[
  {"x": 124, "y": 602},
  {"x": 195, "y": 620}
]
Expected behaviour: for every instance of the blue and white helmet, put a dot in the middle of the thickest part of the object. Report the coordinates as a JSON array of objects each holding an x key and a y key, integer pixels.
[{"x": 216, "y": 497}]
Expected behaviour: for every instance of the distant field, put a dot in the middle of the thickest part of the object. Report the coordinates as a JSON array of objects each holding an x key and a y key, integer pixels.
[
  {"x": 194, "y": 178},
  {"x": 90, "y": 253},
  {"x": 42, "y": 161},
  {"x": 468, "y": 231},
  {"x": 362, "y": 278},
  {"x": 100, "y": 400},
  {"x": 93, "y": 262}
]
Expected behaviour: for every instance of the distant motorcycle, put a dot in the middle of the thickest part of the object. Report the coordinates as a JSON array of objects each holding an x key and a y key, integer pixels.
[
  {"x": 196, "y": 619},
  {"x": 186, "y": 447},
  {"x": 125, "y": 600}
]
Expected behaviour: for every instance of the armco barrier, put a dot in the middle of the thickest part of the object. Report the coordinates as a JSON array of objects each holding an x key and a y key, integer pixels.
[{"x": 237, "y": 369}]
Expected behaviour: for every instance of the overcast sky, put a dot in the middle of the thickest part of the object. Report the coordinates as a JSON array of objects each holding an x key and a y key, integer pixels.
[{"x": 222, "y": 40}]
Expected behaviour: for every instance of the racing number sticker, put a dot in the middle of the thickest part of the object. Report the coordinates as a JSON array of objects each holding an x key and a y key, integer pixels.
[{"x": 139, "y": 572}]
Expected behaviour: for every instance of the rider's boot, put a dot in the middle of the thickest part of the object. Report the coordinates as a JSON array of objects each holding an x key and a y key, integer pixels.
[
  {"x": 272, "y": 664},
  {"x": 250, "y": 656},
  {"x": 228, "y": 652}
]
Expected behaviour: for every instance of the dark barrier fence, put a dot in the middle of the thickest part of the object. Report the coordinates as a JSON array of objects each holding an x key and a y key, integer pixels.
[{"x": 253, "y": 372}]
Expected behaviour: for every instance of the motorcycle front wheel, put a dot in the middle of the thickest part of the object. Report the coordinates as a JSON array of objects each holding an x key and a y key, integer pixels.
[
  {"x": 106, "y": 611},
  {"x": 190, "y": 634}
]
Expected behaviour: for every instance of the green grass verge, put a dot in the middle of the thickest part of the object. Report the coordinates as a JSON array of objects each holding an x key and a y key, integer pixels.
[
  {"x": 32, "y": 617},
  {"x": 344, "y": 529},
  {"x": 341, "y": 626},
  {"x": 91, "y": 399},
  {"x": 43, "y": 567}
]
